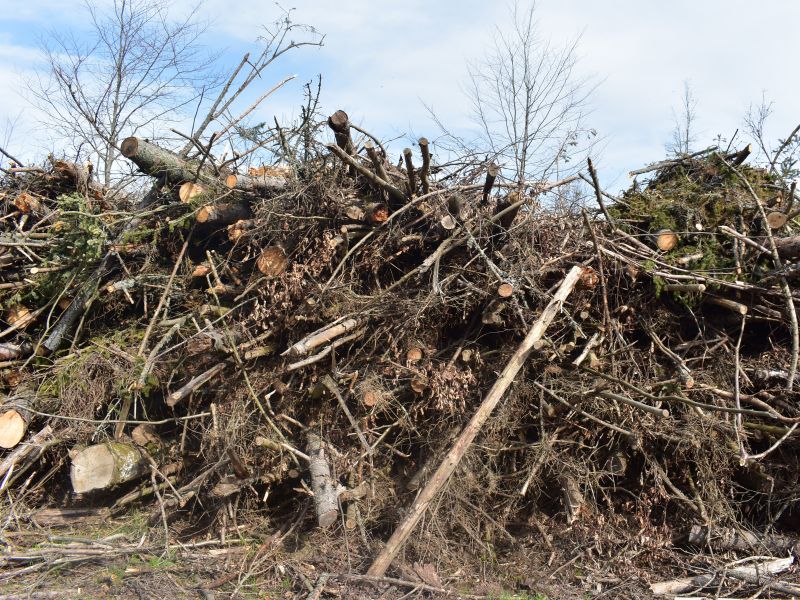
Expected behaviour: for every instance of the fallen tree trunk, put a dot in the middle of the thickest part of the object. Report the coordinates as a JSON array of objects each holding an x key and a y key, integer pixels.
[
  {"x": 276, "y": 181},
  {"x": 103, "y": 466},
  {"x": 224, "y": 213},
  {"x": 158, "y": 162}
]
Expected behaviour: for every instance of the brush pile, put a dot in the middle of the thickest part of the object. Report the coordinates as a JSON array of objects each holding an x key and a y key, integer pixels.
[{"x": 297, "y": 349}]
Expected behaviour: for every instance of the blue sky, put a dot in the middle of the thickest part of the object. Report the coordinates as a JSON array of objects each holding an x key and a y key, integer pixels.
[{"x": 384, "y": 61}]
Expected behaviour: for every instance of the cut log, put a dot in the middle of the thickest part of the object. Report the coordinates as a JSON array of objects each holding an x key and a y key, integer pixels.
[
  {"x": 240, "y": 228},
  {"x": 412, "y": 179},
  {"x": 27, "y": 203},
  {"x": 776, "y": 219},
  {"x": 739, "y": 157},
  {"x": 426, "y": 164},
  {"x": 339, "y": 122},
  {"x": 505, "y": 290},
  {"x": 448, "y": 223},
  {"x": 14, "y": 422},
  {"x": 188, "y": 191},
  {"x": 270, "y": 181},
  {"x": 272, "y": 262},
  {"x": 103, "y": 466},
  {"x": 325, "y": 498},
  {"x": 665, "y": 239},
  {"x": 224, "y": 213},
  {"x": 491, "y": 174},
  {"x": 376, "y": 213},
  {"x": 728, "y": 304},
  {"x": 158, "y": 162}
]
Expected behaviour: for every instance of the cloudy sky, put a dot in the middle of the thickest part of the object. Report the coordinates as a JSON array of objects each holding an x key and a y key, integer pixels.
[{"x": 383, "y": 62}]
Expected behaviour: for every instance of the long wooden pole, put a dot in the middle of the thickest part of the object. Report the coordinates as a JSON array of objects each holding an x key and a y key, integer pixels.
[{"x": 462, "y": 444}]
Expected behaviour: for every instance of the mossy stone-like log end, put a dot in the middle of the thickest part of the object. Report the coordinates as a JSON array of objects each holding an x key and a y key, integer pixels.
[{"x": 129, "y": 147}]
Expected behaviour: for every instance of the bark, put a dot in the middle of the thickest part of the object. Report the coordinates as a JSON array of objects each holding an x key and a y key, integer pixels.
[
  {"x": 426, "y": 164},
  {"x": 103, "y": 466},
  {"x": 325, "y": 499},
  {"x": 158, "y": 162},
  {"x": 224, "y": 213},
  {"x": 491, "y": 174},
  {"x": 665, "y": 239},
  {"x": 263, "y": 184},
  {"x": 412, "y": 180},
  {"x": 720, "y": 538}
]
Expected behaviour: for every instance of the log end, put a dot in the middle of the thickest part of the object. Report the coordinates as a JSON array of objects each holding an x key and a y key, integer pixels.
[
  {"x": 776, "y": 219},
  {"x": 666, "y": 239},
  {"x": 129, "y": 147},
  {"x": 272, "y": 262},
  {"x": 104, "y": 465},
  {"x": 12, "y": 429},
  {"x": 231, "y": 181}
]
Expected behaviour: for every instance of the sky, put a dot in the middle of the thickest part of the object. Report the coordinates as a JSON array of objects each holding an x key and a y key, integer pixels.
[{"x": 389, "y": 63}]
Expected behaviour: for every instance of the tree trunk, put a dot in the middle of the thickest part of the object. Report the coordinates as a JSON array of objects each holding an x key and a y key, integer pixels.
[
  {"x": 261, "y": 184},
  {"x": 14, "y": 422},
  {"x": 157, "y": 162}
]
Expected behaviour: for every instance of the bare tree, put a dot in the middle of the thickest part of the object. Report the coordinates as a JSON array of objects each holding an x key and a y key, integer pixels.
[
  {"x": 784, "y": 159},
  {"x": 683, "y": 134},
  {"x": 135, "y": 68},
  {"x": 527, "y": 99}
]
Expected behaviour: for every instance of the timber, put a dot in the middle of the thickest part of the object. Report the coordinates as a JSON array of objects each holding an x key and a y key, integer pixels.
[
  {"x": 103, "y": 466},
  {"x": 158, "y": 162}
]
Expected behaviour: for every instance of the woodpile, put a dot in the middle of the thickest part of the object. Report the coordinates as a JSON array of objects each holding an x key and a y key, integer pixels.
[{"x": 391, "y": 341}]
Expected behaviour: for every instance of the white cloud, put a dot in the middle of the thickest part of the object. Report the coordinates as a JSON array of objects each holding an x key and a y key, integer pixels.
[{"x": 381, "y": 61}]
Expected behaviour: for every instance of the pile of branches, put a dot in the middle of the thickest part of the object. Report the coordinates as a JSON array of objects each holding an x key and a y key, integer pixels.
[{"x": 319, "y": 345}]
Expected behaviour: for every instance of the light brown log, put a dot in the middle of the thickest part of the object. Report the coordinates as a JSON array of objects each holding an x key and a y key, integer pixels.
[
  {"x": 339, "y": 122},
  {"x": 448, "y": 222},
  {"x": 665, "y": 239},
  {"x": 158, "y": 162},
  {"x": 241, "y": 227},
  {"x": 462, "y": 444},
  {"x": 412, "y": 179},
  {"x": 757, "y": 574},
  {"x": 776, "y": 219},
  {"x": 188, "y": 191},
  {"x": 271, "y": 180},
  {"x": 201, "y": 270},
  {"x": 27, "y": 203},
  {"x": 414, "y": 355},
  {"x": 322, "y": 484},
  {"x": 321, "y": 336},
  {"x": 377, "y": 160},
  {"x": 728, "y": 304},
  {"x": 65, "y": 517},
  {"x": 505, "y": 290},
  {"x": 28, "y": 450},
  {"x": 103, "y": 466},
  {"x": 224, "y": 213},
  {"x": 491, "y": 174},
  {"x": 272, "y": 261},
  {"x": 14, "y": 421}
]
